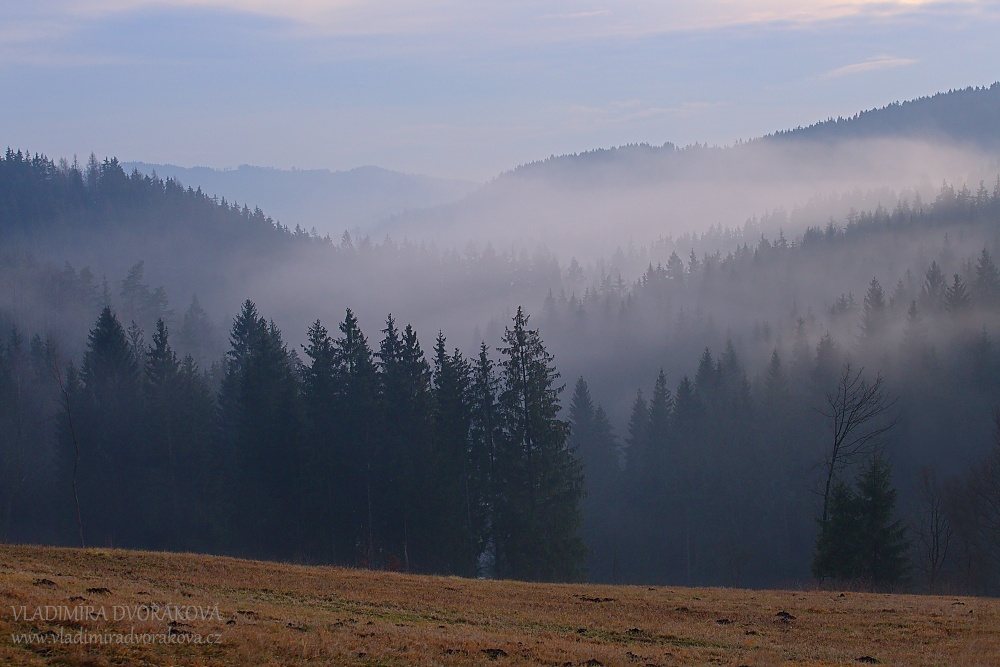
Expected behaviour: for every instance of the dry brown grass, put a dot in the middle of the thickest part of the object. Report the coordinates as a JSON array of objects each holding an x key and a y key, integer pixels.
[{"x": 275, "y": 614}]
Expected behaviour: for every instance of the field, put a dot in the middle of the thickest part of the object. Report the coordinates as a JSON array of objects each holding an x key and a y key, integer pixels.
[{"x": 112, "y": 607}]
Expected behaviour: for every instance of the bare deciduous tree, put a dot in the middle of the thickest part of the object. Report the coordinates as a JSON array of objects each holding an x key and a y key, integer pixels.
[
  {"x": 934, "y": 529},
  {"x": 860, "y": 416}
]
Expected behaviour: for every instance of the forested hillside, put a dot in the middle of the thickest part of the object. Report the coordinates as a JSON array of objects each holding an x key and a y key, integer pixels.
[
  {"x": 588, "y": 202},
  {"x": 680, "y": 410},
  {"x": 328, "y": 201},
  {"x": 969, "y": 115}
]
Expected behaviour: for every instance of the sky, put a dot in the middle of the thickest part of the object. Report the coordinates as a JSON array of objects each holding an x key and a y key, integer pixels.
[{"x": 455, "y": 88}]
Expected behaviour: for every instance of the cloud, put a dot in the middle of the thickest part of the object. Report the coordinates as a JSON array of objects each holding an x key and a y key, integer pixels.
[
  {"x": 509, "y": 19},
  {"x": 578, "y": 15},
  {"x": 870, "y": 65}
]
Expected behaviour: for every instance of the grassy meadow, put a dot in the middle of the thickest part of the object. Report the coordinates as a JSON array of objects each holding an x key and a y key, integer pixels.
[{"x": 99, "y": 607}]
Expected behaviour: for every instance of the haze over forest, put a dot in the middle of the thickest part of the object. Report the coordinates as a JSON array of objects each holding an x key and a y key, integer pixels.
[{"x": 704, "y": 308}]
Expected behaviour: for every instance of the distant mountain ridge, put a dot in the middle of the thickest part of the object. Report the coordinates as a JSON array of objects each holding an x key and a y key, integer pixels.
[
  {"x": 330, "y": 201},
  {"x": 970, "y": 115},
  {"x": 639, "y": 192}
]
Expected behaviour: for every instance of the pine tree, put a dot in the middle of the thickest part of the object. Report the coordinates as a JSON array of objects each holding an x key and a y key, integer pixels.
[
  {"x": 178, "y": 415},
  {"x": 485, "y": 438},
  {"x": 675, "y": 269},
  {"x": 956, "y": 297},
  {"x": 882, "y": 539},
  {"x": 459, "y": 497},
  {"x": 197, "y": 336},
  {"x": 661, "y": 406},
  {"x": 541, "y": 481},
  {"x": 914, "y": 344},
  {"x": 261, "y": 426},
  {"x": 161, "y": 372},
  {"x": 113, "y": 455},
  {"x": 862, "y": 541},
  {"x": 986, "y": 288},
  {"x": 323, "y": 456},
  {"x": 357, "y": 411},
  {"x": 110, "y": 368},
  {"x": 635, "y": 441},
  {"x": 409, "y": 474},
  {"x": 592, "y": 440},
  {"x": 873, "y": 314},
  {"x": 838, "y": 546},
  {"x": 933, "y": 291}
]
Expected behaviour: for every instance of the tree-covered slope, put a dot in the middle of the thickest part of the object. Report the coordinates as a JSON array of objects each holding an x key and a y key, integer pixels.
[{"x": 968, "y": 115}]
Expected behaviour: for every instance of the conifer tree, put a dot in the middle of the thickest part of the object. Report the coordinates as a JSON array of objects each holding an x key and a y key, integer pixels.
[
  {"x": 541, "y": 480},
  {"x": 838, "y": 545},
  {"x": 883, "y": 543},
  {"x": 661, "y": 406},
  {"x": 592, "y": 441},
  {"x": 458, "y": 511},
  {"x": 635, "y": 441},
  {"x": 109, "y": 433},
  {"x": 956, "y": 297},
  {"x": 933, "y": 291},
  {"x": 407, "y": 474},
  {"x": 261, "y": 426},
  {"x": 986, "y": 288},
  {"x": 873, "y": 316},
  {"x": 485, "y": 438},
  {"x": 178, "y": 413},
  {"x": 323, "y": 456},
  {"x": 914, "y": 344},
  {"x": 862, "y": 540},
  {"x": 357, "y": 410}
]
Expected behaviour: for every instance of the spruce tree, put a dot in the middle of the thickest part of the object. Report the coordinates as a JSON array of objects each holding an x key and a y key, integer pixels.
[
  {"x": 541, "y": 481},
  {"x": 261, "y": 427},
  {"x": 862, "y": 541},
  {"x": 593, "y": 442},
  {"x": 933, "y": 291},
  {"x": 956, "y": 297},
  {"x": 323, "y": 455},
  {"x": 882, "y": 539},
  {"x": 108, "y": 430},
  {"x": 986, "y": 288},
  {"x": 635, "y": 441},
  {"x": 358, "y": 419},
  {"x": 458, "y": 497},
  {"x": 873, "y": 316},
  {"x": 485, "y": 438},
  {"x": 838, "y": 546}
]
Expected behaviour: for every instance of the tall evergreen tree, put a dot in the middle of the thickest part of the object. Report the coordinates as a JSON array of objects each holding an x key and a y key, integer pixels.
[
  {"x": 541, "y": 480},
  {"x": 459, "y": 501},
  {"x": 178, "y": 411},
  {"x": 105, "y": 408},
  {"x": 485, "y": 439},
  {"x": 956, "y": 297},
  {"x": 933, "y": 291},
  {"x": 873, "y": 316},
  {"x": 357, "y": 409},
  {"x": 986, "y": 288},
  {"x": 883, "y": 543},
  {"x": 261, "y": 426},
  {"x": 407, "y": 479},
  {"x": 635, "y": 441},
  {"x": 862, "y": 541},
  {"x": 324, "y": 452},
  {"x": 592, "y": 440}
]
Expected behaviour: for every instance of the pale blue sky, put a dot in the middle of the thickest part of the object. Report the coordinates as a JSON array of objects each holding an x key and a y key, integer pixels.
[{"x": 459, "y": 88}]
